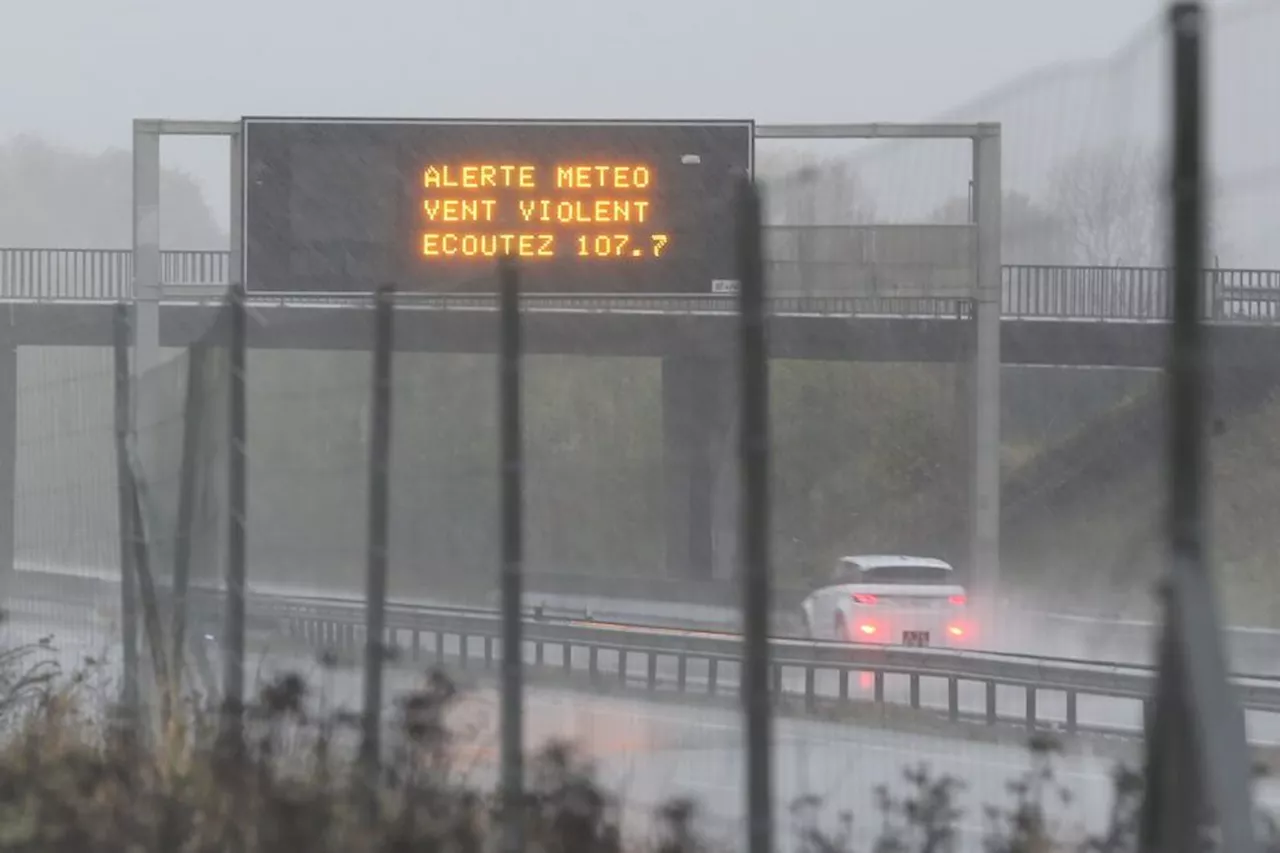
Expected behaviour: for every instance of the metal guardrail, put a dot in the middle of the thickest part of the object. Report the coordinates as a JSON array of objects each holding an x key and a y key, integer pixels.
[
  {"x": 646, "y": 657},
  {"x": 696, "y": 606},
  {"x": 1029, "y": 291},
  {"x": 924, "y": 307},
  {"x": 692, "y": 662}
]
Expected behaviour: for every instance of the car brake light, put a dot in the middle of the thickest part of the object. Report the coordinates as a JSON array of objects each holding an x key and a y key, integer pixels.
[
  {"x": 956, "y": 631},
  {"x": 957, "y": 599},
  {"x": 864, "y": 598},
  {"x": 867, "y": 629}
]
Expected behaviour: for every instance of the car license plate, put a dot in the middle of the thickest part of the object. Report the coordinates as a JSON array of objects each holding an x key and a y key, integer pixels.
[{"x": 915, "y": 638}]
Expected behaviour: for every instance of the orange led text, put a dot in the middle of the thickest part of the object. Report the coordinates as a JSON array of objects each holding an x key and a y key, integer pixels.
[
  {"x": 448, "y": 244},
  {"x": 460, "y": 210},
  {"x": 596, "y": 210},
  {"x": 594, "y": 177},
  {"x": 479, "y": 176}
]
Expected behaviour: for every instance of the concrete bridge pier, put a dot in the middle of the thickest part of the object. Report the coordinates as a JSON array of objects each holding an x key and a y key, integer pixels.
[{"x": 699, "y": 455}]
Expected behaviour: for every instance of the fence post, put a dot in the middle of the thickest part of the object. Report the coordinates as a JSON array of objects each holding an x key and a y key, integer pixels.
[
  {"x": 754, "y": 384},
  {"x": 233, "y": 641},
  {"x": 511, "y": 438},
  {"x": 129, "y": 696},
  {"x": 144, "y": 585},
  {"x": 376, "y": 576},
  {"x": 1198, "y": 763},
  {"x": 192, "y": 421}
]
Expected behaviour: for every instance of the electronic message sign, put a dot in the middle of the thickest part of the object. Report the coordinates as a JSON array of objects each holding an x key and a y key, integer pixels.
[{"x": 585, "y": 207}]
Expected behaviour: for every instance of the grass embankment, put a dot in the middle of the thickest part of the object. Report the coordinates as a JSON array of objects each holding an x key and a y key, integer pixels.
[
  {"x": 867, "y": 457},
  {"x": 1101, "y": 544}
]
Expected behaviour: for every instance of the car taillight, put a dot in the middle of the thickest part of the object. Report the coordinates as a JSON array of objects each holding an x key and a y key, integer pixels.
[
  {"x": 867, "y": 628},
  {"x": 957, "y": 599},
  {"x": 955, "y": 631},
  {"x": 864, "y": 598}
]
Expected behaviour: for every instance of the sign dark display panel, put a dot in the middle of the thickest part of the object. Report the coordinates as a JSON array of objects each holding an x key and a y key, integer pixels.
[{"x": 344, "y": 205}]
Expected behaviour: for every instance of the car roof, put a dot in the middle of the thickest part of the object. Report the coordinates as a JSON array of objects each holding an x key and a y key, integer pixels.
[{"x": 866, "y": 562}]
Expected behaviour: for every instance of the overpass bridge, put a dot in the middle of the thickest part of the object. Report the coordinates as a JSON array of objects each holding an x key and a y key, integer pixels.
[{"x": 1050, "y": 315}]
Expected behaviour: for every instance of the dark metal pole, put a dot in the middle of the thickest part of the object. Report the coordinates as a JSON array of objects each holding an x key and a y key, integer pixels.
[
  {"x": 1188, "y": 355},
  {"x": 1198, "y": 766},
  {"x": 129, "y": 695},
  {"x": 755, "y": 521},
  {"x": 192, "y": 431},
  {"x": 379, "y": 499},
  {"x": 512, "y": 557},
  {"x": 148, "y": 600},
  {"x": 233, "y": 642}
]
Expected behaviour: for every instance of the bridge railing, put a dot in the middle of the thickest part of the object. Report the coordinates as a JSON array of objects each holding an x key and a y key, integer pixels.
[
  {"x": 1134, "y": 293},
  {"x": 1029, "y": 291},
  {"x": 99, "y": 273}
]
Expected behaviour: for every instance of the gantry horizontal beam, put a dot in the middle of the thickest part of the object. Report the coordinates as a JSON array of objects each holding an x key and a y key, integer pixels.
[{"x": 877, "y": 131}]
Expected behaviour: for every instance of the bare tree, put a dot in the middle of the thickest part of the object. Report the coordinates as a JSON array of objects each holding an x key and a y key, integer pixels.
[
  {"x": 809, "y": 191},
  {"x": 1108, "y": 201},
  {"x": 54, "y": 197},
  {"x": 1030, "y": 233},
  {"x": 1109, "y": 206}
]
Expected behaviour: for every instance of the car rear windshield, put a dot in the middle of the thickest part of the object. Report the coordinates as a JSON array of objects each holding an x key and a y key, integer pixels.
[{"x": 907, "y": 574}]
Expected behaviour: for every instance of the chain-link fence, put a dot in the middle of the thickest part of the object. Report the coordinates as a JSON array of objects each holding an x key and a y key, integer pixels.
[
  {"x": 178, "y": 458},
  {"x": 63, "y": 530},
  {"x": 632, "y": 474}
]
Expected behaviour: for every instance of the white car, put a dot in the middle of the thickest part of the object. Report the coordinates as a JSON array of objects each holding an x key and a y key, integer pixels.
[{"x": 913, "y": 601}]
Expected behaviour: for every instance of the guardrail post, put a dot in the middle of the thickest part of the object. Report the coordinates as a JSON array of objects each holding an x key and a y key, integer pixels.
[
  {"x": 915, "y": 690},
  {"x": 622, "y": 666},
  {"x": 879, "y": 686},
  {"x": 682, "y": 671},
  {"x": 653, "y": 670},
  {"x": 991, "y": 703},
  {"x": 953, "y": 698},
  {"x": 1071, "y": 712},
  {"x": 844, "y": 685},
  {"x": 810, "y": 688},
  {"x": 1031, "y": 708},
  {"x": 417, "y": 645},
  {"x": 439, "y": 646},
  {"x": 713, "y": 673}
]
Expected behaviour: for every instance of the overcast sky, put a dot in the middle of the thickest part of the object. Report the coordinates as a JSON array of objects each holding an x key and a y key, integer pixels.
[
  {"x": 78, "y": 71},
  {"x": 82, "y": 69}
]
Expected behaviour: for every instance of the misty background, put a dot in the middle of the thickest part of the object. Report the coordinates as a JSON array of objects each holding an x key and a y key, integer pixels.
[
  {"x": 85, "y": 70},
  {"x": 868, "y": 456}
]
